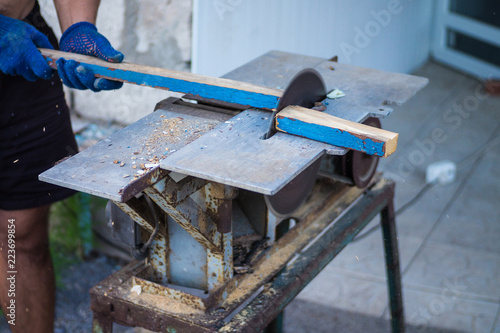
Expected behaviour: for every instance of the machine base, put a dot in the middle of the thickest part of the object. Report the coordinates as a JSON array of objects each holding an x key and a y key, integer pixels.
[{"x": 252, "y": 300}]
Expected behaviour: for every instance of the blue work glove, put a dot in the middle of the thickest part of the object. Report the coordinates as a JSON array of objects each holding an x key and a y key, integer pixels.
[
  {"x": 83, "y": 38},
  {"x": 18, "y": 50}
]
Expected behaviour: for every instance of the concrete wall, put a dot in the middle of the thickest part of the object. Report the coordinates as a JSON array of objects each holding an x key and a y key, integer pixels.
[
  {"x": 391, "y": 35},
  {"x": 155, "y": 33}
]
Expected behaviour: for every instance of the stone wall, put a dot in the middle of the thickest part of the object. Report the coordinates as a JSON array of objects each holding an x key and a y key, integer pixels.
[{"x": 149, "y": 32}]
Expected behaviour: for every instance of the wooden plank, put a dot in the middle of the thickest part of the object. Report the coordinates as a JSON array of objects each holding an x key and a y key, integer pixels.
[
  {"x": 233, "y": 92},
  {"x": 337, "y": 131},
  {"x": 227, "y": 90}
]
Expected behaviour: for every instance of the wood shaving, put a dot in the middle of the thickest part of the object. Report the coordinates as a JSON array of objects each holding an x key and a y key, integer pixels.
[{"x": 137, "y": 289}]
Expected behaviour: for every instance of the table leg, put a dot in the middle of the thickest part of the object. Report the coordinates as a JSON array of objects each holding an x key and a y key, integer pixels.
[
  {"x": 101, "y": 324},
  {"x": 276, "y": 326},
  {"x": 388, "y": 222}
]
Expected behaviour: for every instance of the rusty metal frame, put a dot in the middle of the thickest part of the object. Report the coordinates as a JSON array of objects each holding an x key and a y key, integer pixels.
[
  {"x": 281, "y": 283},
  {"x": 158, "y": 253},
  {"x": 210, "y": 226}
]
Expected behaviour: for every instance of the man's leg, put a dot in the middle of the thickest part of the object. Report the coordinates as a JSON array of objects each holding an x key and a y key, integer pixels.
[{"x": 34, "y": 280}]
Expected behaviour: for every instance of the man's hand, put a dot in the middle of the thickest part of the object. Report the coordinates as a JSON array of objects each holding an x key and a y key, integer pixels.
[
  {"x": 83, "y": 38},
  {"x": 18, "y": 50}
]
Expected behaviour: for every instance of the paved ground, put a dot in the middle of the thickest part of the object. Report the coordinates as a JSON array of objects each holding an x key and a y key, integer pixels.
[{"x": 449, "y": 240}]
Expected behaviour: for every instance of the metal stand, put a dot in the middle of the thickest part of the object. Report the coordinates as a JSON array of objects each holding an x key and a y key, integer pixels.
[
  {"x": 274, "y": 280},
  {"x": 204, "y": 189}
]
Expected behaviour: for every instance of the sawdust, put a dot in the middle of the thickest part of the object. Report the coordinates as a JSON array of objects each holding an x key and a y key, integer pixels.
[
  {"x": 262, "y": 272},
  {"x": 169, "y": 132},
  {"x": 163, "y": 303},
  {"x": 173, "y": 130},
  {"x": 166, "y": 136}
]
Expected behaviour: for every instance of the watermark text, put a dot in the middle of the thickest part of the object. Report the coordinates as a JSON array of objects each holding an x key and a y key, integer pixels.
[{"x": 11, "y": 272}]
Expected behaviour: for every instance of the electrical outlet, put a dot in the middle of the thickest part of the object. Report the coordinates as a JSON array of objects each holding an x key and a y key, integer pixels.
[{"x": 442, "y": 172}]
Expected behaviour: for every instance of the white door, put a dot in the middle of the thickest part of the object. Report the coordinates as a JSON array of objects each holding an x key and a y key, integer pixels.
[{"x": 467, "y": 36}]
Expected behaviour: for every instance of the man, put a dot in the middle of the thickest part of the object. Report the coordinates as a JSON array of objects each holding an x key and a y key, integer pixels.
[{"x": 35, "y": 132}]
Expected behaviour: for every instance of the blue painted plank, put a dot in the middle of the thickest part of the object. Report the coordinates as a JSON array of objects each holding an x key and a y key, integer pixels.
[
  {"x": 336, "y": 131},
  {"x": 225, "y": 94},
  {"x": 329, "y": 135},
  {"x": 211, "y": 88},
  {"x": 232, "y": 92}
]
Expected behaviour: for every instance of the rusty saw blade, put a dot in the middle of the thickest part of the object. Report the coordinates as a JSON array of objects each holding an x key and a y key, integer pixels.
[{"x": 305, "y": 88}]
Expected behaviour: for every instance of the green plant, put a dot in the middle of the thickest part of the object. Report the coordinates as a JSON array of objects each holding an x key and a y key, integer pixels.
[{"x": 70, "y": 233}]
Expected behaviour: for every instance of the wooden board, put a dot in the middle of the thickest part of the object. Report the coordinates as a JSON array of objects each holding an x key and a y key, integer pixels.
[
  {"x": 227, "y": 90},
  {"x": 204, "y": 86},
  {"x": 336, "y": 131}
]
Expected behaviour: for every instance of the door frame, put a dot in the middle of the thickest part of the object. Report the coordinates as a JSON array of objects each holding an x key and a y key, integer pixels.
[{"x": 445, "y": 19}]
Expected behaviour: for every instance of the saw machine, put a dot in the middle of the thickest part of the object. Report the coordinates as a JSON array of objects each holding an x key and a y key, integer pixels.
[{"x": 229, "y": 215}]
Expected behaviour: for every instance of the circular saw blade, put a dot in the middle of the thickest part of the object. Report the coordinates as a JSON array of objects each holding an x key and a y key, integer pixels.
[
  {"x": 293, "y": 195},
  {"x": 306, "y": 88}
]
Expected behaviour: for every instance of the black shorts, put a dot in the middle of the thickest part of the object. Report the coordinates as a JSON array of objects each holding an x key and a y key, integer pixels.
[{"x": 35, "y": 133}]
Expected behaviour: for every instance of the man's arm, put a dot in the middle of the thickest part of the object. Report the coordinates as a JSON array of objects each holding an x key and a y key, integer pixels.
[
  {"x": 70, "y": 12},
  {"x": 17, "y": 9}
]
